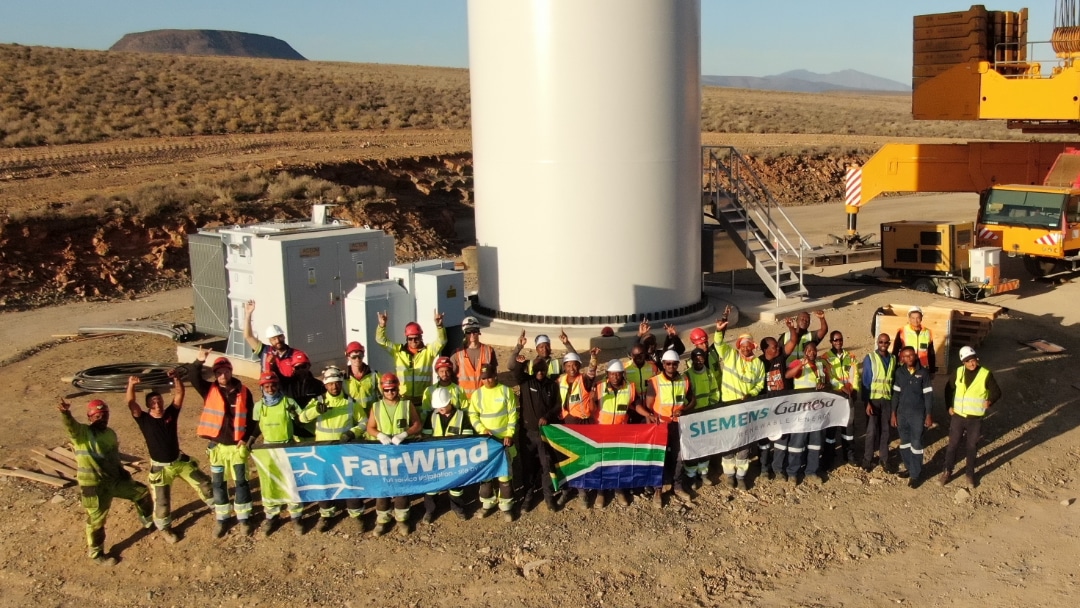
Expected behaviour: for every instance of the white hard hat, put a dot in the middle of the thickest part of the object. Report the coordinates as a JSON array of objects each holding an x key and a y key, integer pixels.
[
  {"x": 616, "y": 366},
  {"x": 542, "y": 339},
  {"x": 273, "y": 331},
  {"x": 440, "y": 398},
  {"x": 914, "y": 309},
  {"x": 470, "y": 323},
  {"x": 571, "y": 357},
  {"x": 966, "y": 353},
  {"x": 670, "y": 355},
  {"x": 332, "y": 374}
]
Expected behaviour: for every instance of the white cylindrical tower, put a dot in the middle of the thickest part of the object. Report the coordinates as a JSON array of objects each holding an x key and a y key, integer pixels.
[{"x": 586, "y": 152}]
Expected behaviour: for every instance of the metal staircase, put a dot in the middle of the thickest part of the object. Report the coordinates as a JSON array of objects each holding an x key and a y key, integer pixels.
[{"x": 740, "y": 203}]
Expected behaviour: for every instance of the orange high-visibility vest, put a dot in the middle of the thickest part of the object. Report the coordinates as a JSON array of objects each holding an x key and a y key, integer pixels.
[
  {"x": 469, "y": 376},
  {"x": 671, "y": 396},
  {"x": 612, "y": 404},
  {"x": 576, "y": 401},
  {"x": 213, "y": 415}
]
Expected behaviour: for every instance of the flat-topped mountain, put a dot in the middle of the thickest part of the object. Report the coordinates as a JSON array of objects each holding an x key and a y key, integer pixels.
[{"x": 206, "y": 42}]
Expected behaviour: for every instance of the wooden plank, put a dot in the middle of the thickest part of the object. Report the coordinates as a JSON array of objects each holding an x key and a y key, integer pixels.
[
  {"x": 56, "y": 482},
  {"x": 66, "y": 456},
  {"x": 48, "y": 464},
  {"x": 65, "y": 468}
]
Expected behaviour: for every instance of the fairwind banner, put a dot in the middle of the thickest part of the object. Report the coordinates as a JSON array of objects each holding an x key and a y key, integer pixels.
[
  {"x": 729, "y": 427},
  {"x": 313, "y": 472},
  {"x": 606, "y": 456}
]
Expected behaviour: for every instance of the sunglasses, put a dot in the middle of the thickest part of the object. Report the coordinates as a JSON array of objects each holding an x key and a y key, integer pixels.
[
  {"x": 389, "y": 390},
  {"x": 670, "y": 364},
  {"x": 413, "y": 339},
  {"x": 357, "y": 356},
  {"x": 837, "y": 339}
]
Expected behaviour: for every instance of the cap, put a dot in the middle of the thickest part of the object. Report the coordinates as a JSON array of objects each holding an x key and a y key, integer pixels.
[
  {"x": 96, "y": 406},
  {"x": 744, "y": 338},
  {"x": 442, "y": 363},
  {"x": 489, "y": 371},
  {"x": 331, "y": 375},
  {"x": 268, "y": 378},
  {"x": 914, "y": 309},
  {"x": 274, "y": 331},
  {"x": 615, "y": 366},
  {"x": 353, "y": 347},
  {"x": 222, "y": 363},
  {"x": 669, "y": 355},
  {"x": 607, "y": 332},
  {"x": 388, "y": 380},
  {"x": 299, "y": 358},
  {"x": 967, "y": 353},
  {"x": 571, "y": 358},
  {"x": 541, "y": 339},
  {"x": 698, "y": 336},
  {"x": 440, "y": 398},
  {"x": 698, "y": 352}
]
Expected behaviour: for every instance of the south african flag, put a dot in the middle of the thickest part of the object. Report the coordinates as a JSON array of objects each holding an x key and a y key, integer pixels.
[{"x": 607, "y": 457}]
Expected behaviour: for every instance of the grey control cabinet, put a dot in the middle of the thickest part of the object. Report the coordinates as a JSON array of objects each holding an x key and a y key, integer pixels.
[{"x": 298, "y": 274}]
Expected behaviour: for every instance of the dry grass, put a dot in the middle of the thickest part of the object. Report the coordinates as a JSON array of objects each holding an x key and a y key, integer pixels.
[{"x": 52, "y": 96}]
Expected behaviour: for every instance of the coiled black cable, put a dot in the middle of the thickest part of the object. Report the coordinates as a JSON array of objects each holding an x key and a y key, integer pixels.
[{"x": 114, "y": 378}]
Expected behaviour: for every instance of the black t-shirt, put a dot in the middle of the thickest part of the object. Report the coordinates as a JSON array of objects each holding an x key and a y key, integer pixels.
[
  {"x": 774, "y": 374},
  {"x": 160, "y": 434}
]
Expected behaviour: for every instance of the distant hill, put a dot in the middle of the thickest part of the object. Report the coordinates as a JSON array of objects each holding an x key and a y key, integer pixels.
[
  {"x": 805, "y": 81},
  {"x": 206, "y": 42}
]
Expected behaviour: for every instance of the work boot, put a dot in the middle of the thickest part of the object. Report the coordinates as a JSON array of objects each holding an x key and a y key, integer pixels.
[
  {"x": 459, "y": 511},
  {"x": 740, "y": 483},
  {"x": 657, "y": 499},
  {"x": 970, "y": 479},
  {"x": 246, "y": 527},
  {"x": 359, "y": 523},
  {"x": 146, "y": 521},
  {"x": 586, "y": 501},
  {"x": 603, "y": 498},
  {"x": 268, "y": 527},
  {"x": 712, "y": 480},
  {"x": 104, "y": 560},
  {"x": 793, "y": 481},
  {"x": 850, "y": 454},
  {"x": 682, "y": 494},
  {"x": 297, "y": 526},
  {"x": 429, "y": 509},
  {"x": 622, "y": 497},
  {"x": 380, "y": 528},
  {"x": 324, "y": 524},
  {"x": 219, "y": 528},
  {"x": 403, "y": 528},
  {"x": 731, "y": 480},
  {"x": 868, "y": 466},
  {"x": 944, "y": 478},
  {"x": 169, "y": 536},
  {"x": 551, "y": 504},
  {"x": 486, "y": 512},
  {"x": 508, "y": 516}
]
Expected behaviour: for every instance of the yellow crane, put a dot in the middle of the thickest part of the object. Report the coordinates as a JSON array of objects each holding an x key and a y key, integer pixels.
[{"x": 975, "y": 65}]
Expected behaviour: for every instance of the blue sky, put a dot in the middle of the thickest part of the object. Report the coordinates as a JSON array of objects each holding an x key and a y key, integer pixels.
[{"x": 739, "y": 37}]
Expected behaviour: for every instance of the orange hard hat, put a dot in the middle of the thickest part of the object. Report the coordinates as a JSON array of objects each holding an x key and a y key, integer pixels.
[
  {"x": 413, "y": 329},
  {"x": 388, "y": 380}
]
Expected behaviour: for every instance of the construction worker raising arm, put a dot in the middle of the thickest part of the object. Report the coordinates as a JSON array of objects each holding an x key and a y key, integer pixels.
[{"x": 412, "y": 360}]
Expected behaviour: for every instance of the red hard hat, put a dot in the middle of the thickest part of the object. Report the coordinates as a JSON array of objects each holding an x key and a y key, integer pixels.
[
  {"x": 607, "y": 332},
  {"x": 413, "y": 329},
  {"x": 222, "y": 362},
  {"x": 299, "y": 357},
  {"x": 268, "y": 378},
  {"x": 388, "y": 380},
  {"x": 354, "y": 347},
  {"x": 698, "y": 335},
  {"x": 442, "y": 363},
  {"x": 95, "y": 406}
]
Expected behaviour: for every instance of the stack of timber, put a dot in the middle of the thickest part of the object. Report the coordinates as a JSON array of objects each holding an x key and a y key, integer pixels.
[
  {"x": 971, "y": 322},
  {"x": 57, "y": 466},
  {"x": 944, "y": 40}
]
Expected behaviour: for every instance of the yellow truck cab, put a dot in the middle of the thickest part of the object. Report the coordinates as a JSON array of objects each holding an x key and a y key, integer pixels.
[{"x": 1041, "y": 223}]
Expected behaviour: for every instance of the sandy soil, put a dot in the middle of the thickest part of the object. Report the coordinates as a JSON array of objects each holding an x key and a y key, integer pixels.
[{"x": 858, "y": 540}]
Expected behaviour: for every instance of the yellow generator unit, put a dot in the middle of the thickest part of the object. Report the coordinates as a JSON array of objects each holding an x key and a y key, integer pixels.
[{"x": 939, "y": 257}]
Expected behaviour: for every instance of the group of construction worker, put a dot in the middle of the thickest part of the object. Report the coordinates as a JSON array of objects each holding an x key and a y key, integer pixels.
[{"x": 429, "y": 395}]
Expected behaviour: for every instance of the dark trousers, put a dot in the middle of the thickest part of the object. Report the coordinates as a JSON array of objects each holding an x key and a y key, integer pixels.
[
  {"x": 959, "y": 427},
  {"x": 910, "y": 426},
  {"x": 804, "y": 447},
  {"x": 672, "y": 462},
  {"x": 536, "y": 464},
  {"x": 779, "y": 454},
  {"x": 878, "y": 431}
]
